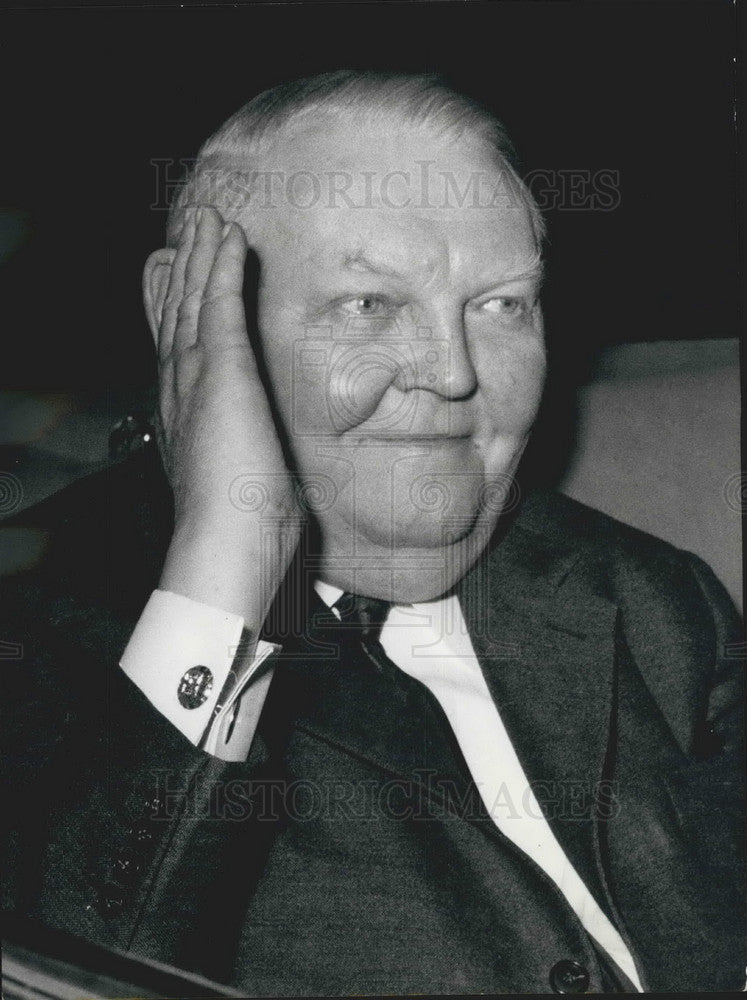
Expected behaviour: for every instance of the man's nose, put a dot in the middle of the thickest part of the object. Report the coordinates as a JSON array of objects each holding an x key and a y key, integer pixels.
[{"x": 438, "y": 359}]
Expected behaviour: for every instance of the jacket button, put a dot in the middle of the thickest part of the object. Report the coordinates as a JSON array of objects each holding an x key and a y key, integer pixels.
[{"x": 568, "y": 976}]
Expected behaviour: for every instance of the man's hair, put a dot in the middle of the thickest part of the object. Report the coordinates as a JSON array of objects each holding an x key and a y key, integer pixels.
[{"x": 220, "y": 175}]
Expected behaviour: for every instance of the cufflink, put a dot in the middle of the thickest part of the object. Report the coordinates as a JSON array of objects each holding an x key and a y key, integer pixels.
[{"x": 195, "y": 687}]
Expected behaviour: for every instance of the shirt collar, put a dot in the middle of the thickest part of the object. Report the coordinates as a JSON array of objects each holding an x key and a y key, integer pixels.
[{"x": 328, "y": 593}]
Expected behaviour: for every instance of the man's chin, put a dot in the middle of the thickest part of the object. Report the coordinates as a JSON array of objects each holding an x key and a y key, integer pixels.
[
  {"x": 427, "y": 534},
  {"x": 420, "y": 565},
  {"x": 416, "y": 528},
  {"x": 417, "y": 559}
]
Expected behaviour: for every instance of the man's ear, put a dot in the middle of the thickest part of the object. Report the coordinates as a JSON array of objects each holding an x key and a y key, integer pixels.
[{"x": 156, "y": 275}]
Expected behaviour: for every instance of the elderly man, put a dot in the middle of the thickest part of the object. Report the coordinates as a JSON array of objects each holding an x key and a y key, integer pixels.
[{"x": 354, "y": 714}]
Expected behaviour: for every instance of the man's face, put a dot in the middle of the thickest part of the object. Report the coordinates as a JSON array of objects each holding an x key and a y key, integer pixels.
[{"x": 404, "y": 345}]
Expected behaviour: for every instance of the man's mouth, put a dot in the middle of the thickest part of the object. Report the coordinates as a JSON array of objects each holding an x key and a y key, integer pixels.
[{"x": 411, "y": 437}]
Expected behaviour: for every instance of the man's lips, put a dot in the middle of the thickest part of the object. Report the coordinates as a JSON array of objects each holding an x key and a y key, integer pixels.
[
  {"x": 410, "y": 436},
  {"x": 427, "y": 427}
]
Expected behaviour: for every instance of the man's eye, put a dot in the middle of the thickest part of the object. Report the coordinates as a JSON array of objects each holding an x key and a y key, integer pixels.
[
  {"x": 508, "y": 306},
  {"x": 364, "y": 305}
]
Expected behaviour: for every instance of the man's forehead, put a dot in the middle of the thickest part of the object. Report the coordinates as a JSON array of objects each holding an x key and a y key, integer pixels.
[
  {"x": 389, "y": 167},
  {"x": 410, "y": 243},
  {"x": 391, "y": 204}
]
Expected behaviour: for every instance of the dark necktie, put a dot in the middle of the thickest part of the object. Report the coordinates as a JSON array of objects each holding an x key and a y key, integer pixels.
[{"x": 364, "y": 619}]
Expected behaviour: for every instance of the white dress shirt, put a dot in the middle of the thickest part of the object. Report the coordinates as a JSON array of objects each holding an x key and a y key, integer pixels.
[
  {"x": 176, "y": 636},
  {"x": 430, "y": 642}
]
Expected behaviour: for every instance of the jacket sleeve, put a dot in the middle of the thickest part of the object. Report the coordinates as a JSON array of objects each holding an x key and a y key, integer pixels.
[
  {"x": 106, "y": 799},
  {"x": 109, "y": 829}
]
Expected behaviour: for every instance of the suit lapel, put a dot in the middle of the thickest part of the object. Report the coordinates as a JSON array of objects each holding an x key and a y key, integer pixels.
[{"x": 545, "y": 640}]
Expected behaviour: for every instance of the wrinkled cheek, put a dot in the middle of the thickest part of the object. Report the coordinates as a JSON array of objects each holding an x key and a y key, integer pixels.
[
  {"x": 511, "y": 391},
  {"x": 357, "y": 380},
  {"x": 512, "y": 387},
  {"x": 326, "y": 387}
]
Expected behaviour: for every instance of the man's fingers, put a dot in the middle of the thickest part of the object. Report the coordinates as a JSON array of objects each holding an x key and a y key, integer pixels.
[
  {"x": 175, "y": 291},
  {"x": 204, "y": 298},
  {"x": 206, "y": 243},
  {"x": 222, "y": 319}
]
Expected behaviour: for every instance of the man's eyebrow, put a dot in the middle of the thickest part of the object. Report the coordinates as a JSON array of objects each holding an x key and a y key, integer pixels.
[
  {"x": 529, "y": 269},
  {"x": 358, "y": 261}
]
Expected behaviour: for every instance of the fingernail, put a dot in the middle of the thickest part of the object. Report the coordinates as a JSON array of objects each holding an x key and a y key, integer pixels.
[{"x": 226, "y": 230}]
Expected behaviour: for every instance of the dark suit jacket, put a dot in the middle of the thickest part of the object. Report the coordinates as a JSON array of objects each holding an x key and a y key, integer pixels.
[{"x": 349, "y": 853}]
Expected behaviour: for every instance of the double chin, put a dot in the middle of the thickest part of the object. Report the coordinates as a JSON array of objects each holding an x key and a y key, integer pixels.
[
  {"x": 406, "y": 573},
  {"x": 404, "y": 558}
]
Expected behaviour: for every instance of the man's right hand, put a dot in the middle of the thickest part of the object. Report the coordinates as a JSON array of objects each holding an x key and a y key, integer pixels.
[{"x": 237, "y": 523}]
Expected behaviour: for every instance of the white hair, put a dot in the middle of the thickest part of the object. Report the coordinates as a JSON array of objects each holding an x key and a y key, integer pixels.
[{"x": 223, "y": 164}]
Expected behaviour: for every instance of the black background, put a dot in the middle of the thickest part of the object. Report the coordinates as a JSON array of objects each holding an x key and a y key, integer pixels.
[{"x": 93, "y": 96}]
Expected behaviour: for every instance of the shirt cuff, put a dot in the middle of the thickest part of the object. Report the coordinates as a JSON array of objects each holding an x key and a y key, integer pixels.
[{"x": 191, "y": 662}]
